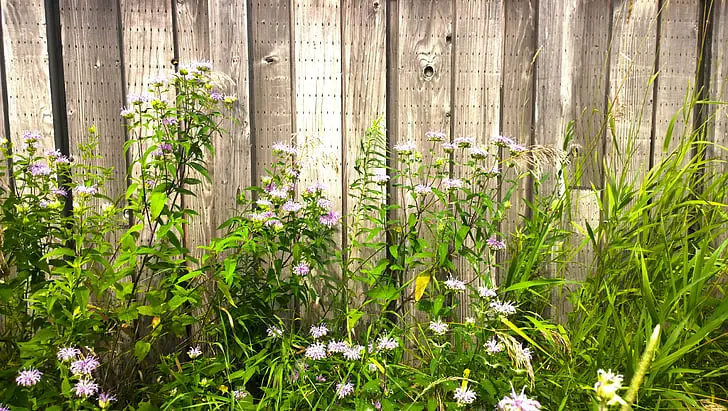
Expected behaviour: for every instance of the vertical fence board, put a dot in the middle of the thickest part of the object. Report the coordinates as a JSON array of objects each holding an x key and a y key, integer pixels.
[
  {"x": 26, "y": 65},
  {"x": 476, "y": 111},
  {"x": 271, "y": 77},
  {"x": 318, "y": 102},
  {"x": 424, "y": 81},
  {"x": 318, "y": 94},
  {"x": 229, "y": 53},
  {"x": 193, "y": 40},
  {"x": 364, "y": 88},
  {"x": 519, "y": 48},
  {"x": 632, "y": 64},
  {"x": 719, "y": 81},
  {"x": 678, "y": 59},
  {"x": 92, "y": 70}
]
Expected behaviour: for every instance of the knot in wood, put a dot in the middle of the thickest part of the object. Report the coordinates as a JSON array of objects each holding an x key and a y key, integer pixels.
[
  {"x": 428, "y": 71},
  {"x": 270, "y": 59}
]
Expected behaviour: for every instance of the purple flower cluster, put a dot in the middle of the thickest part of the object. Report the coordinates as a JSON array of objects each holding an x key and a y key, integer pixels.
[
  {"x": 84, "y": 190},
  {"x": 85, "y": 388},
  {"x": 496, "y": 244},
  {"x": 518, "y": 402},
  {"x": 330, "y": 219},
  {"x": 28, "y": 377},
  {"x": 344, "y": 389},
  {"x": 39, "y": 169},
  {"x": 84, "y": 366},
  {"x": 301, "y": 269},
  {"x": 435, "y": 136},
  {"x": 319, "y": 331},
  {"x": 464, "y": 142},
  {"x": 316, "y": 351}
]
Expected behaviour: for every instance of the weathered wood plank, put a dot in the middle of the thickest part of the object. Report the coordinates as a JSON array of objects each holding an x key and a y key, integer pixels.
[
  {"x": 317, "y": 68},
  {"x": 519, "y": 49},
  {"x": 193, "y": 42},
  {"x": 229, "y": 53},
  {"x": 364, "y": 90},
  {"x": 632, "y": 65},
  {"x": 677, "y": 67},
  {"x": 26, "y": 65},
  {"x": 476, "y": 110},
  {"x": 718, "y": 91},
  {"x": 424, "y": 83},
  {"x": 92, "y": 70},
  {"x": 574, "y": 40},
  {"x": 271, "y": 114}
]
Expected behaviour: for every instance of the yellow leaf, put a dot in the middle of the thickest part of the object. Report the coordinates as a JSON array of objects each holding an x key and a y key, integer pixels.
[
  {"x": 420, "y": 284},
  {"x": 155, "y": 322}
]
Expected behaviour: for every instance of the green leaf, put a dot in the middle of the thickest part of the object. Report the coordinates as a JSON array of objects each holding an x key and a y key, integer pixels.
[
  {"x": 386, "y": 292},
  {"x": 141, "y": 349},
  {"x": 156, "y": 203}
]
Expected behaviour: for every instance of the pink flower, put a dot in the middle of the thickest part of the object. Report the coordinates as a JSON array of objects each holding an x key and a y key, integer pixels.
[{"x": 330, "y": 219}]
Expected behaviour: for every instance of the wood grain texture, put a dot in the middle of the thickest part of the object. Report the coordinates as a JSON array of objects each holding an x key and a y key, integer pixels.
[
  {"x": 193, "y": 42},
  {"x": 632, "y": 65},
  {"x": 318, "y": 94},
  {"x": 571, "y": 81},
  {"x": 271, "y": 113},
  {"x": 26, "y": 65},
  {"x": 718, "y": 134},
  {"x": 424, "y": 84},
  {"x": 677, "y": 67},
  {"x": 477, "y": 100},
  {"x": 92, "y": 70},
  {"x": 364, "y": 92},
  {"x": 519, "y": 49}
]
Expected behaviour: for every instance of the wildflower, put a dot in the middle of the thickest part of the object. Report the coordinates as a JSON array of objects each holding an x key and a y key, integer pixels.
[
  {"x": 170, "y": 121},
  {"x": 278, "y": 193},
  {"x": 230, "y": 99},
  {"x": 503, "y": 308},
  {"x": 105, "y": 400},
  {"x": 422, "y": 189},
  {"x": 283, "y": 148},
  {"x": 264, "y": 203},
  {"x": 337, "y": 346},
  {"x": 320, "y": 378},
  {"x": 607, "y": 385},
  {"x": 85, "y": 366},
  {"x": 85, "y": 387},
  {"x": 330, "y": 219},
  {"x": 454, "y": 284},
  {"x": 469, "y": 321},
  {"x": 59, "y": 191},
  {"x": 502, "y": 141},
  {"x": 518, "y": 402},
  {"x": 464, "y": 396},
  {"x": 274, "y": 332},
  {"x": 138, "y": 99},
  {"x": 405, "y": 148},
  {"x": 323, "y": 203},
  {"x": 451, "y": 183},
  {"x": 526, "y": 352},
  {"x": 194, "y": 352},
  {"x": 68, "y": 353},
  {"x": 4, "y": 407},
  {"x": 435, "y": 136},
  {"x": 274, "y": 223},
  {"x": 516, "y": 148},
  {"x": 319, "y": 331},
  {"x": 478, "y": 153},
  {"x": 58, "y": 160},
  {"x": 301, "y": 269},
  {"x": 39, "y": 169},
  {"x": 380, "y": 177},
  {"x": 28, "y": 377},
  {"x": 387, "y": 344},
  {"x": 216, "y": 95},
  {"x": 486, "y": 292},
  {"x": 494, "y": 171},
  {"x": 344, "y": 390},
  {"x": 83, "y": 190},
  {"x": 448, "y": 147},
  {"x": 493, "y": 346},
  {"x": 239, "y": 395},
  {"x": 464, "y": 142},
  {"x": 202, "y": 66},
  {"x": 496, "y": 244},
  {"x": 127, "y": 112},
  {"x": 316, "y": 188},
  {"x": 353, "y": 353},
  {"x": 158, "y": 81},
  {"x": 316, "y": 351},
  {"x": 377, "y": 405},
  {"x": 372, "y": 367},
  {"x": 292, "y": 206},
  {"x": 438, "y": 327}
]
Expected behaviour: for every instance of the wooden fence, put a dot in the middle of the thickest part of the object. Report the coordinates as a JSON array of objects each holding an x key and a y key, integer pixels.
[{"x": 327, "y": 68}]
